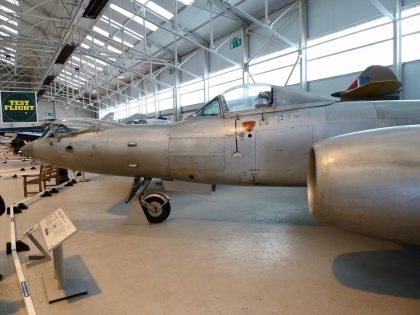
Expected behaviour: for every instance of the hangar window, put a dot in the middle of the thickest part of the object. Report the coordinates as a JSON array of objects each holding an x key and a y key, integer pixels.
[
  {"x": 151, "y": 103},
  {"x": 275, "y": 68},
  {"x": 410, "y": 25},
  {"x": 133, "y": 107},
  {"x": 223, "y": 80},
  {"x": 351, "y": 50},
  {"x": 192, "y": 92},
  {"x": 166, "y": 99},
  {"x": 121, "y": 111}
]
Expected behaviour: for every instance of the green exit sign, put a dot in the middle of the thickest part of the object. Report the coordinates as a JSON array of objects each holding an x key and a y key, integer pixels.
[
  {"x": 236, "y": 42},
  {"x": 49, "y": 114}
]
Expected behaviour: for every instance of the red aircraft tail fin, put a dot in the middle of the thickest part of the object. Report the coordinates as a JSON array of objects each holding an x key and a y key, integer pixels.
[{"x": 375, "y": 83}]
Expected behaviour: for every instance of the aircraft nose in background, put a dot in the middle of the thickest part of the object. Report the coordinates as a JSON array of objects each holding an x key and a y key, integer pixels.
[{"x": 28, "y": 149}]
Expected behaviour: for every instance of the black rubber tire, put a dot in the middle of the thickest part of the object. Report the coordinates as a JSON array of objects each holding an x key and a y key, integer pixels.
[
  {"x": 2, "y": 206},
  {"x": 157, "y": 217}
]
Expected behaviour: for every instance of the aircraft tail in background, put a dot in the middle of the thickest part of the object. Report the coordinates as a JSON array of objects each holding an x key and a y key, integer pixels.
[{"x": 375, "y": 83}]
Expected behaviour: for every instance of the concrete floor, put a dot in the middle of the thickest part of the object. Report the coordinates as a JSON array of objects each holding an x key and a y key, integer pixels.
[{"x": 242, "y": 250}]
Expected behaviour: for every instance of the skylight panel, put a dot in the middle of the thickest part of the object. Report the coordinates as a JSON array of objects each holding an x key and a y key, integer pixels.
[
  {"x": 149, "y": 25},
  {"x": 186, "y": 2},
  {"x": 3, "y": 8},
  {"x": 74, "y": 77},
  {"x": 100, "y": 31},
  {"x": 118, "y": 26},
  {"x": 15, "y": 2},
  {"x": 113, "y": 22},
  {"x": 63, "y": 81},
  {"x": 8, "y": 61},
  {"x": 96, "y": 41},
  {"x": 111, "y": 48},
  {"x": 11, "y": 49},
  {"x": 87, "y": 72},
  {"x": 118, "y": 40},
  {"x": 92, "y": 65},
  {"x": 8, "y": 20},
  {"x": 121, "y": 10},
  {"x": 71, "y": 79},
  {"x": 6, "y": 52},
  {"x": 85, "y": 46},
  {"x": 4, "y": 34},
  {"x": 133, "y": 34},
  {"x": 97, "y": 60},
  {"x": 9, "y": 29},
  {"x": 158, "y": 9},
  {"x": 76, "y": 80},
  {"x": 88, "y": 63},
  {"x": 136, "y": 18}
]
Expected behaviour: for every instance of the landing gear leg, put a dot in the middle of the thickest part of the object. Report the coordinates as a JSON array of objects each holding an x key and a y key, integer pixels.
[{"x": 156, "y": 206}]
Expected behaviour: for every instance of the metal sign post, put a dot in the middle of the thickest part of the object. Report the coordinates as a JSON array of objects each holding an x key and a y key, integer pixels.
[
  {"x": 40, "y": 259},
  {"x": 56, "y": 228}
]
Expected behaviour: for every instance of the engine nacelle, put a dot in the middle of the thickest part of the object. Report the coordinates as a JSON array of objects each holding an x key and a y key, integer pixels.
[{"x": 368, "y": 182}]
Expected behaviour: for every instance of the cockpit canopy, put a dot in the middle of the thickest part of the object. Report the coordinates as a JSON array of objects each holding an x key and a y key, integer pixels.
[
  {"x": 251, "y": 96},
  {"x": 70, "y": 126}
]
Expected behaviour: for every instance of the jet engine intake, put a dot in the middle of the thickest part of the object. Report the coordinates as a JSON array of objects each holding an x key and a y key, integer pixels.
[{"x": 368, "y": 182}]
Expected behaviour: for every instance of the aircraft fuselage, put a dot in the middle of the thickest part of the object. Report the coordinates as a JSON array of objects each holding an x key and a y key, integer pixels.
[{"x": 258, "y": 147}]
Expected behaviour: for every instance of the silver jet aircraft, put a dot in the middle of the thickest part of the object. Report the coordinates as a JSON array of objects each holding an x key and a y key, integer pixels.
[{"x": 255, "y": 134}]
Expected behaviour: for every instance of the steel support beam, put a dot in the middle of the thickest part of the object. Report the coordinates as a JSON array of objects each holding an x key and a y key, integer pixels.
[
  {"x": 77, "y": 16},
  {"x": 177, "y": 74},
  {"x": 383, "y": 10},
  {"x": 259, "y": 23},
  {"x": 193, "y": 42},
  {"x": 397, "y": 38},
  {"x": 303, "y": 17}
]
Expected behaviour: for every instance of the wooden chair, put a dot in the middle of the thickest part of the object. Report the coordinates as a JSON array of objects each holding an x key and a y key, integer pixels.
[
  {"x": 51, "y": 179},
  {"x": 46, "y": 174}
]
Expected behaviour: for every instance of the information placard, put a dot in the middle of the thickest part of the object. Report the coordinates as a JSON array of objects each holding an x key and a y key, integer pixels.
[
  {"x": 56, "y": 228},
  {"x": 18, "y": 107}
]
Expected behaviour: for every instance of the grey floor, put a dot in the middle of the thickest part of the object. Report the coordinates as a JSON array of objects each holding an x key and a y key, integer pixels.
[{"x": 242, "y": 250}]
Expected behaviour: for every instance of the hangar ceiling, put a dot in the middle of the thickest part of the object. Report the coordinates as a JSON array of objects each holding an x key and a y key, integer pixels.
[{"x": 130, "y": 40}]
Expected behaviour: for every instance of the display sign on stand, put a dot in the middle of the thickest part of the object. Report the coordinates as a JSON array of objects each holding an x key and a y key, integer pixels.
[{"x": 56, "y": 228}]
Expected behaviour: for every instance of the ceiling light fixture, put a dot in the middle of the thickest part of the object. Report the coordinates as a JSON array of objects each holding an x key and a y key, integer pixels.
[
  {"x": 66, "y": 53},
  {"x": 94, "y": 8},
  {"x": 41, "y": 92},
  {"x": 48, "y": 79}
]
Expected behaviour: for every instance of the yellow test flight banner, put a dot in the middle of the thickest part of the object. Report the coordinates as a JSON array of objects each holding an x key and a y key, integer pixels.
[{"x": 18, "y": 107}]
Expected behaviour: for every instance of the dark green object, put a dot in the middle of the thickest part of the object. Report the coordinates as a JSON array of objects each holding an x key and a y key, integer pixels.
[
  {"x": 236, "y": 42},
  {"x": 18, "y": 107}
]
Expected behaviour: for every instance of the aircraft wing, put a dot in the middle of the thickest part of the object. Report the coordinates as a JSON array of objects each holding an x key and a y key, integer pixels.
[{"x": 369, "y": 182}]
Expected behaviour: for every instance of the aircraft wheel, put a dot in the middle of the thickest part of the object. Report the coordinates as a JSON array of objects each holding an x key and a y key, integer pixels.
[
  {"x": 2, "y": 206},
  {"x": 158, "y": 208}
]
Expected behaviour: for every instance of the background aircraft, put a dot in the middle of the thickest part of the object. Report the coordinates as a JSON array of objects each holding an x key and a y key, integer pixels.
[
  {"x": 250, "y": 135},
  {"x": 15, "y": 138}
]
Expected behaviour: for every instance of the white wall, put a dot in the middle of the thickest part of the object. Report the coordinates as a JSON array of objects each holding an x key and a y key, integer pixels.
[
  {"x": 325, "y": 16},
  {"x": 411, "y": 82}
]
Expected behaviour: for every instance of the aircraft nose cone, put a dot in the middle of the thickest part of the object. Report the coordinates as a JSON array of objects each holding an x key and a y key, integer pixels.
[{"x": 28, "y": 149}]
